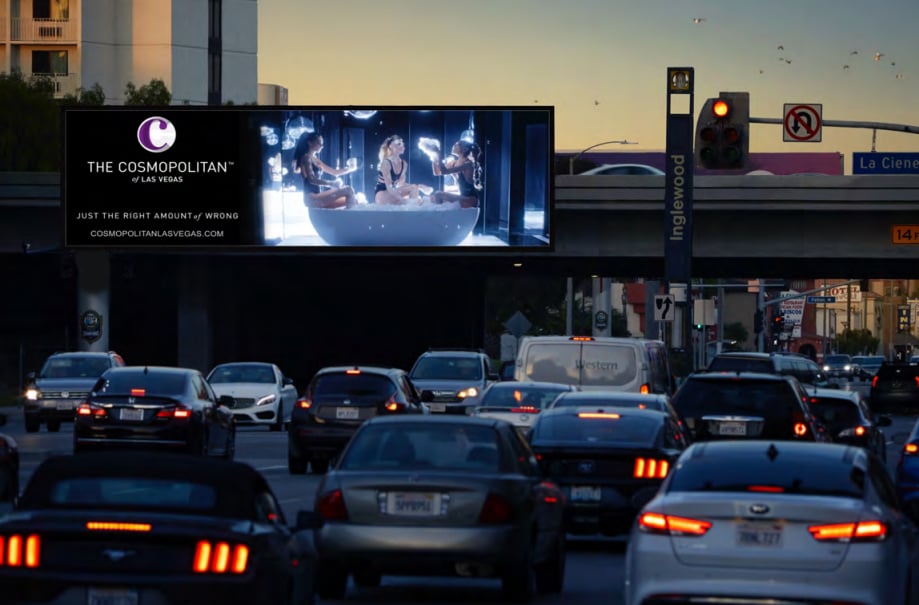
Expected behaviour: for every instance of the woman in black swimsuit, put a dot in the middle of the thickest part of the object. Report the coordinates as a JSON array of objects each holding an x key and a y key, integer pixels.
[
  {"x": 465, "y": 164},
  {"x": 308, "y": 164},
  {"x": 392, "y": 186}
]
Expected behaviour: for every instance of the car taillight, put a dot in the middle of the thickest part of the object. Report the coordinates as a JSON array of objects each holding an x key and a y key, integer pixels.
[
  {"x": 88, "y": 409},
  {"x": 331, "y": 506},
  {"x": 304, "y": 404},
  {"x": 863, "y": 531},
  {"x": 658, "y": 523},
  {"x": 916, "y": 378},
  {"x": 874, "y": 381},
  {"x": 176, "y": 412},
  {"x": 650, "y": 468},
  {"x": 645, "y": 389},
  {"x": 495, "y": 510},
  {"x": 393, "y": 406},
  {"x": 525, "y": 409},
  {"x": 19, "y": 551},
  {"x": 220, "y": 557},
  {"x": 911, "y": 449}
]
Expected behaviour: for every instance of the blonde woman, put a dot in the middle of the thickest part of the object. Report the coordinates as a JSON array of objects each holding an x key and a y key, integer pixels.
[{"x": 392, "y": 185}]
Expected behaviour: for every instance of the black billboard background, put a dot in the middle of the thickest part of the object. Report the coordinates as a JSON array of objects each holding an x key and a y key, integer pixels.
[{"x": 101, "y": 135}]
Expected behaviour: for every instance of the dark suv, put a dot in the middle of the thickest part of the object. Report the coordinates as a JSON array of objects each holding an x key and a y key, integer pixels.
[
  {"x": 746, "y": 405},
  {"x": 63, "y": 383},
  {"x": 335, "y": 403},
  {"x": 803, "y": 368},
  {"x": 451, "y": 380},
  {"x": 895, "y": 387}
]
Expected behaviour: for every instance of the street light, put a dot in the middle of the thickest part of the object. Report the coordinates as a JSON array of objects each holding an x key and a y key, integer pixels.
[{"x": 583, "y": 151}]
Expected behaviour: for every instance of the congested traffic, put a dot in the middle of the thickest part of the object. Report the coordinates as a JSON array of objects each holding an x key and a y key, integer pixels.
[{"x": 753, "y": 481}]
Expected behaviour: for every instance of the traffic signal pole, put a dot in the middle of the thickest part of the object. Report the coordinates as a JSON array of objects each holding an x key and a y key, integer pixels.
[{"x": 849, "y": 124}]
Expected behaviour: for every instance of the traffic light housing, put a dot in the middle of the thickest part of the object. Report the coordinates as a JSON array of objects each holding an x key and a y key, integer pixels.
[
  {"x": 723, "y": 132},
  {"x": 778, "y": 324},
  {"x": 758, "y": 321}
]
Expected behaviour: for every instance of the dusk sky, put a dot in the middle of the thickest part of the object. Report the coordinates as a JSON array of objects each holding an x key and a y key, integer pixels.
[{"x": 603, "y": 63}]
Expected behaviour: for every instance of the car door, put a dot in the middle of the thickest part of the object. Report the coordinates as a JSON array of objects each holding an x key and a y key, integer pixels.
[
  {"x": 288, "y": 393},
  {"x": 905, "y": 532}
]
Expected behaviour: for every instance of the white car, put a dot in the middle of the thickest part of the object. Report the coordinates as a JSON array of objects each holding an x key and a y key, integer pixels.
[
  {"x": 625, "y": 169},
  {"x": 262, "y": 394},
  {"x": 763, "y": 522}
]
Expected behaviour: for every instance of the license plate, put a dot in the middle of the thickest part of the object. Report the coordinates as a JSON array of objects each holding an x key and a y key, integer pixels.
[
  {"x": 64, "y": 405},
  {"x": 586, "y": 493},
  {"x": 347, "y": 413},
  {"x": 413, "y": 504},
  {"x": 732, "y": 428},
  {"x": 131, "y": 414},
  {"x": 759, "y": 535},
  {"x": 438, "y": 407},
  {"x": 111, "y": 596}
]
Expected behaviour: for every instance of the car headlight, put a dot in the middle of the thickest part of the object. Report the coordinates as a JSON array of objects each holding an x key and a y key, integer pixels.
[
  {"x": 33, "y": 394},
  {"x": 826, "y": 368},
  {"x": 847, "y": 368},
  {"x": 470, "y": 392},
  {"x": 266, "y": 399}
]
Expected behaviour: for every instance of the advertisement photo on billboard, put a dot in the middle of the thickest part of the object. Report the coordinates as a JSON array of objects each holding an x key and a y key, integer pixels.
[{"x": 283, "y": 177}]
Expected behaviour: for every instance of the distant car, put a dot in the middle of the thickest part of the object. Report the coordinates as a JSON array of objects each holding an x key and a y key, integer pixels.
[
  {"x": 746, "y": 405},
  {"x": 803, "y": 368},
  {"x": 839, "y": 366},
  {"x": 261, "y": 393},
  {"x": 519, "y": 402},
  {"x": 336, "y": 402},
  {"x": 773, "y": 522},
  {"x": 155, "y": 407},
  {"x": 895, "y": 388},
  {"x": 9, "y": 467},
  {"x": 849, "y": 420},
  {"x": 128, "y": 529},
  {"x": 444, "y": 495},
  {"x": 64, "y": 381},
  {"x": 609, "y": 461},
  {"x": 625, "y": 169},
  {"x": 868, "y": 365},
  {"x": 452, "y": 378},
  {"x": 643, "y": 401}
]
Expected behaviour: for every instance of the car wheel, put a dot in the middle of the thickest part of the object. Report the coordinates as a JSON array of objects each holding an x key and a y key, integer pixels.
[
  {"x": 367, "y": 578},
  {"x": 319, "y": 467},
  {"x": 32, "y": 424},
  {"x": 550, "y": 574},
  {"x": 279, "y": 420},
  {"x": 54, "y": 426},
  {"x": 519, "y": 581},
  {"x": 331, "y": 582},
  {"x": 296, "y": 465}
]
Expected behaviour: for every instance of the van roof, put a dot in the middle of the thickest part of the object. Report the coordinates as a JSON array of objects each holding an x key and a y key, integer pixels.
[{"x": 597, "y": 339}]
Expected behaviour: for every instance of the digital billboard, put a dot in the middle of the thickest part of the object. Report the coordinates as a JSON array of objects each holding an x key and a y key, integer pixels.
[{"x": 285, "y": 177}]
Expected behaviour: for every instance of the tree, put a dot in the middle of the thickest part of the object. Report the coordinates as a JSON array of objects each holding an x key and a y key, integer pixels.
[
  {"x": 92, "y": 96},
  {"x": 737, "y": 332},
  {"x": 154, "y": 92},
  {"x": 857, "y": 342},
  {"x": 29, "y": 124}
]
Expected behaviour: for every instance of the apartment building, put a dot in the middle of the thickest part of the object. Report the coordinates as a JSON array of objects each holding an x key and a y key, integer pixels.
[{"x": 204, "y": 50}]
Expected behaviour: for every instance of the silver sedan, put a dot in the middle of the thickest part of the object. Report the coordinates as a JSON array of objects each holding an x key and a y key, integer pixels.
[
  {"x": 758, "y": 522},
  {"x": 440, "y": 495}
]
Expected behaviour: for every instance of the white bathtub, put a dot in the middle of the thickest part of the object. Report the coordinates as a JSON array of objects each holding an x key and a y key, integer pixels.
[{"x": 393, "y": 226}]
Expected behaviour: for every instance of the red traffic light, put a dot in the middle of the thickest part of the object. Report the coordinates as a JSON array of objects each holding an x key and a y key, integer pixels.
[
  {"x": 721, "y": 108},
  {"x": 707, "y": 134},
  {"x": 731, "y": 135}
]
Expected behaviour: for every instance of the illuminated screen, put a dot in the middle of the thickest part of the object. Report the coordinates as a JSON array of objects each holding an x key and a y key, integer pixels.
[{"x": 309, "y": 177}]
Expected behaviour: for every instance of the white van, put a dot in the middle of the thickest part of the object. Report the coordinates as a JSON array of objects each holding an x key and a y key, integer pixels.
[{"x": 591, "y": 363}]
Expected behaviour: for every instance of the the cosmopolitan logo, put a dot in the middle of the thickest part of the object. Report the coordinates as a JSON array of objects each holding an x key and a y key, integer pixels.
[{"x": 156, "y": 134}]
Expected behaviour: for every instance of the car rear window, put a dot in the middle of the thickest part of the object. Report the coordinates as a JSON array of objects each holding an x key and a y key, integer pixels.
[
  {"x": 740, "y": 364},
  {"x": 250, "y": 373},
  {"x": 588, "y": 364},
  {"x": 354, "y": 385},
  {"x": 817, "y": 476},
  {"x": 152, "y": 383},
  {"x": 134, "y": 492},
  {"x": 618, "y": 400},
  {"x": 447, "y": 368},
  {"x": 838, "y": 359},
  {"x": 893, "y": 371},
  {"x": 837, "y": 414},
  {"x": 424, "y": 446},
  {"x": 591, "y": 428},
  {"x": 75, "y": 367},
  {"x": 520, "y": 396}
]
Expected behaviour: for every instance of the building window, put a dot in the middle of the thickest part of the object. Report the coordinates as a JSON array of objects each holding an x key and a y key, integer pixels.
[
  {"x": 214, "y": 52},
  {"x": 50, "y": 62}
]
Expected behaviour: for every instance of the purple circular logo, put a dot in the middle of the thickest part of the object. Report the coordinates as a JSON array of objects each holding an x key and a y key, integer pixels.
[{"x": 156, "y": 134}]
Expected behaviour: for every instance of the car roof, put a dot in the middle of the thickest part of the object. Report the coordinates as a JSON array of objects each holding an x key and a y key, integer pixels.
[
  {"x": 852, "y": 396},
  {"x": 755, "y": 448},
  {"x": 435, "y": 419},
  {"x": 535, "y": 384},
  {"x": 574, "y": 410},
  {"x": 732, "y": 375},
  {"x": 150, "y": 370},
  {"x": 363, "y": 369},
  {"x": 85, "y": 354},
  {"x": 614, "y": 395},
  {"x": 453, "y": 353}
]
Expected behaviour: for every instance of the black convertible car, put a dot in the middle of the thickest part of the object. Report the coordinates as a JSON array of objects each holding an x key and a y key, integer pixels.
[{"x": 99, "y": 529}]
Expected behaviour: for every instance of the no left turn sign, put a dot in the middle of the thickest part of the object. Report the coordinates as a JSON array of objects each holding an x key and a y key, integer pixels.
[{"x": 802, "y": 123}]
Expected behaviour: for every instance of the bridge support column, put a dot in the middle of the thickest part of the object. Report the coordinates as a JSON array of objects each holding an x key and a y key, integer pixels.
[
  {"x": 194, "y": 325},
  {"x": 93, "y": 287}
]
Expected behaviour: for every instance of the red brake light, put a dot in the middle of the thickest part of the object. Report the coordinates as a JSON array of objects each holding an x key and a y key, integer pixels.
[
  {"x": 650, "y": 468},
  {"x": 911, "y": 448},
  {"x": 304, "y": 404},
  {"x": 645, "y": 389},
  {"x": 525, "y": 409},
  {"x": 220, "y": 558},
  {"x": 18, "y": 552},
  {"x": 845, "y": 532},
  {"x": 88, "y": 409},
  {"x": 353, "y": 372},
  {"x": 675, "y": 526},
  {"x": 859, "y": 430},
  {"x": 769, "y": 489},
  {"x": 800, "y": 429},
  {"x": 581, "y": 338},
  {"x": 916, "y": 378},
  {"x": 175, "y": 412},
  {"x": 596, "y": 415},
  {"x": 331, "y": 506},
  {"x": 138, "y": 392},
  {"x": 117, "y": 526},
  {"x": 874, "y": 381},
  {"x": 495, "y": 510}
]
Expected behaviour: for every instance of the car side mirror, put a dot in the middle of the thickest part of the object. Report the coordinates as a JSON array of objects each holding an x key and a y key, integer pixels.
[
  {"x": 883, "y": 421},
  {"x": 427, "y": 395},
  {"x": 288, "y": 381},
  {"x": 226, "y": 401},
  {"x": 308, "y": 519},
  {"x": 31, "y": 376}
]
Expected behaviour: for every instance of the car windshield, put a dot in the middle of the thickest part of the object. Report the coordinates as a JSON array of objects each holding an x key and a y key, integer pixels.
[
  {"x": 837, "y": 414},
  {"x": 622, "y": 400},
  {"x": 868, "y": 362},
  {"x": 424, "y": 446},
  {"x": 447, "y": 368},
  {"x": 788, "y": 474},
  {"x": 520, "y": 395},
  {"x": 152, "y": 383},
  {"x": 252, "y": 373},
  {"x": 353, "y": 385},
  {"x": 75, "y": 367},
  {"x": 740, "y": 364},
  {"x": 834, "y": 359},
  {"x": 593, "y": 428},
  {"x": 133, "y": 492}
]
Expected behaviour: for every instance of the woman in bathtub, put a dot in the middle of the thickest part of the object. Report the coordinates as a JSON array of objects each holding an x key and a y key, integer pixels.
[
  {"x": 392, "y": 185},
  {"x": 308, "y": 164},
  {"x": 465, "y": 164}
]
